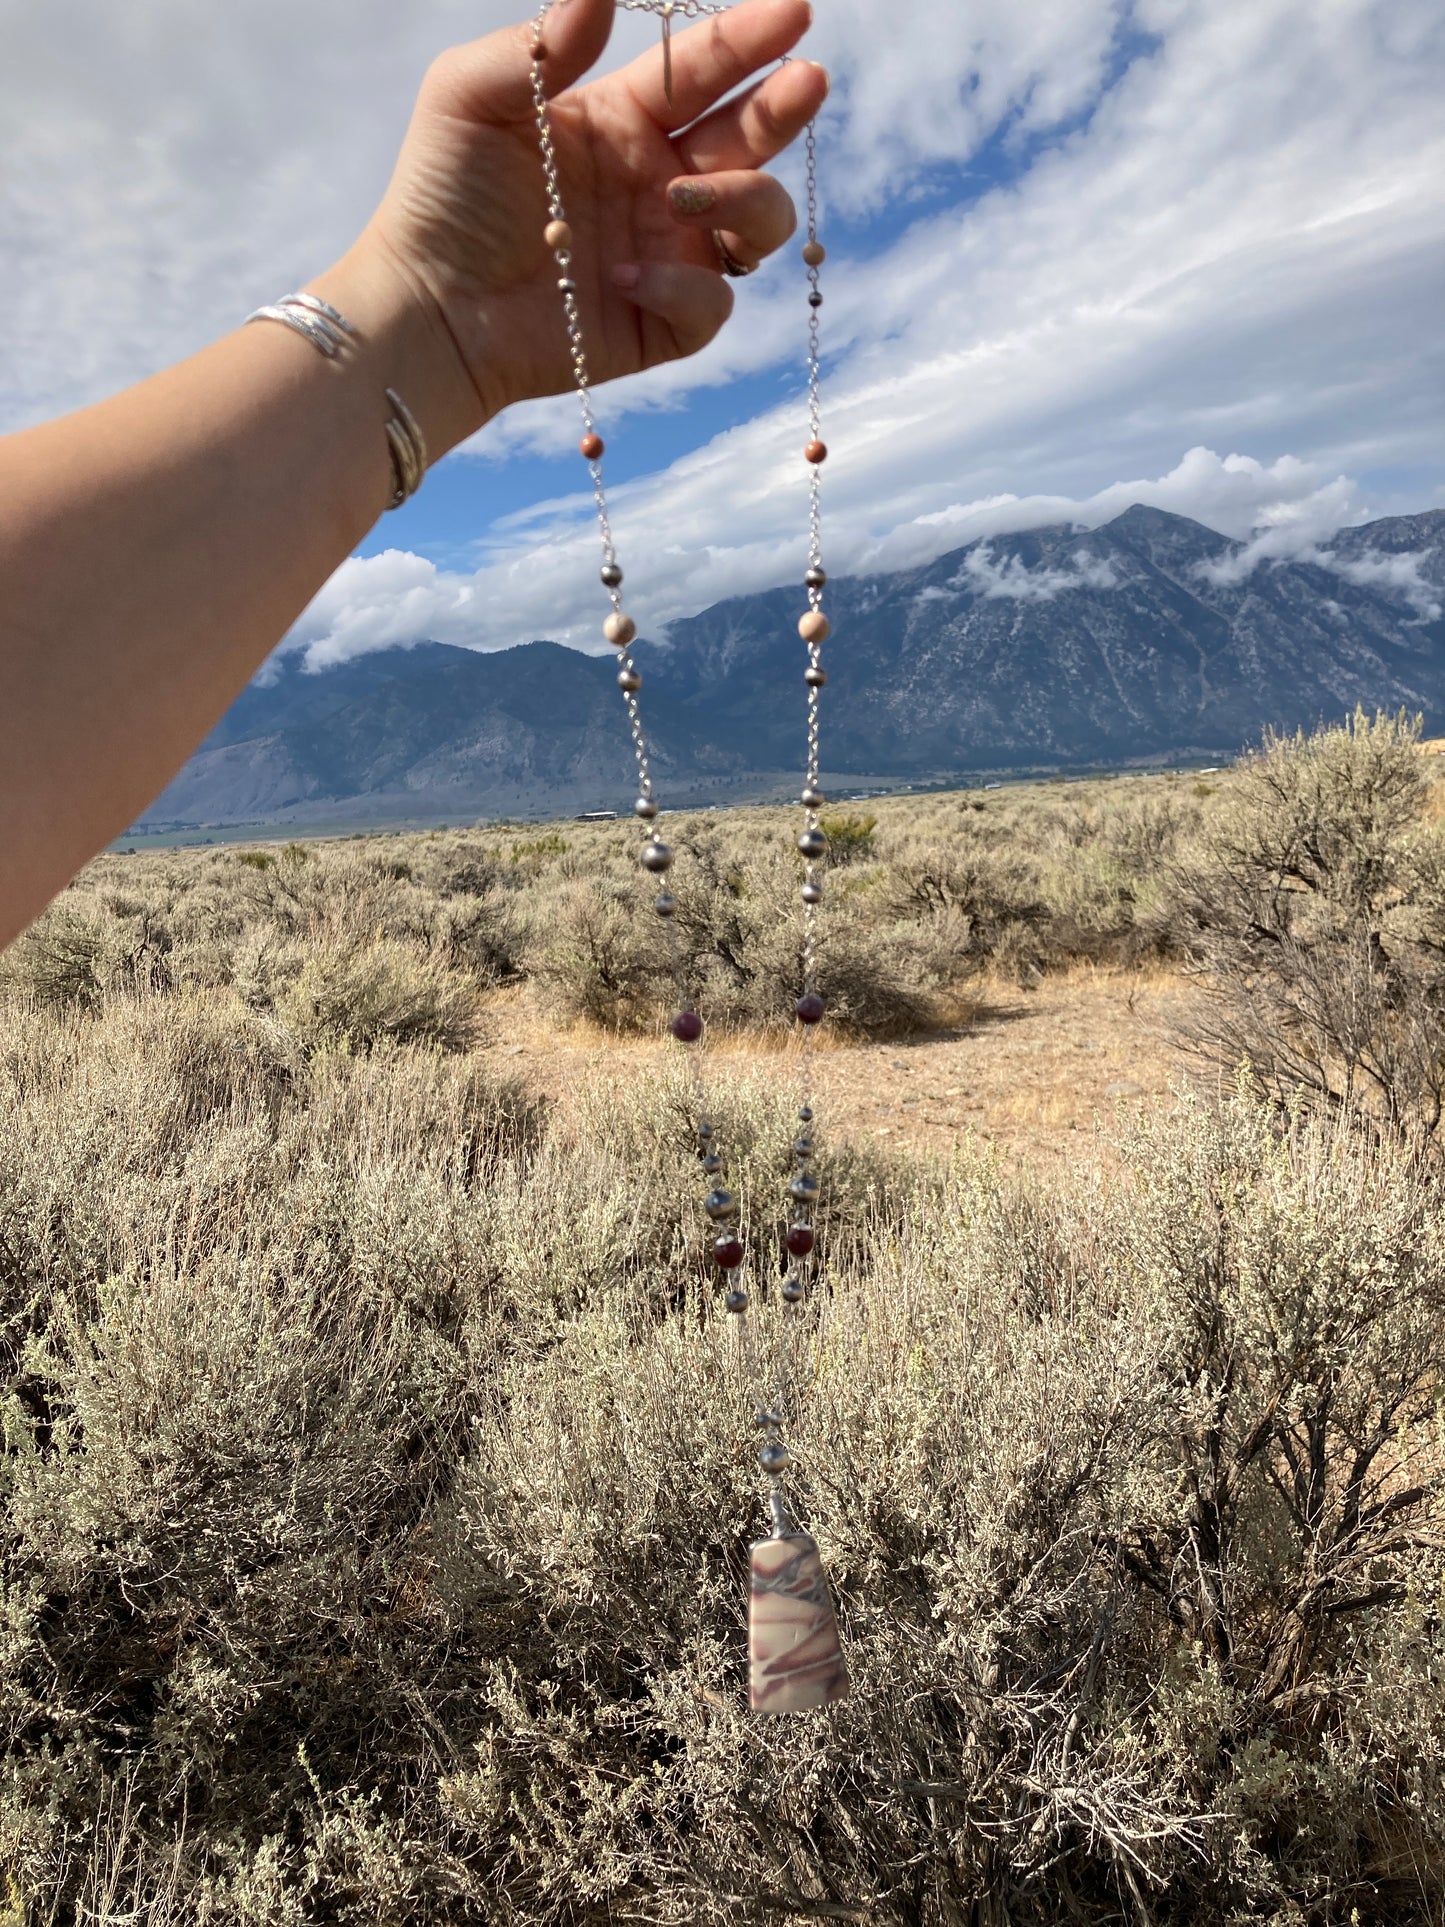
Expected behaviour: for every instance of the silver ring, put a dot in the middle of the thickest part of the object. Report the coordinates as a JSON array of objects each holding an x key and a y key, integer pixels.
[{"x": 728, "y": 261}]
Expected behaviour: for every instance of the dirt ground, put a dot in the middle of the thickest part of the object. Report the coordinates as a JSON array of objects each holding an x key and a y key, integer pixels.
[{"x": 1031, "y": 1070}]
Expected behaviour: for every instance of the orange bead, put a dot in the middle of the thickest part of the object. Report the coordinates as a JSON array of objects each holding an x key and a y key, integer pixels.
[
  {"x": 557, "y": 235},
  {"x": 592, "y": 447},
  {"x": 815, "y": 627},
  {"x": 816, "y": 452},
  {"x": 814, "y": 253}
]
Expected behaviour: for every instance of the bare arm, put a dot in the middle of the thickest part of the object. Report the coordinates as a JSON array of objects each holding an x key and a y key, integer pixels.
[{"x": 155, "y": 548}]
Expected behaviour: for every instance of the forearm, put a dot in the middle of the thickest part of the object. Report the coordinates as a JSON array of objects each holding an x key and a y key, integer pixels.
[{"x": 154, "y": 550}]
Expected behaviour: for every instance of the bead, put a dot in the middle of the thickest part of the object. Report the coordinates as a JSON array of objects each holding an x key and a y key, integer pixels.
[
  {"x": 558, "y": 236},
  {"x": 813, "y": 891},
  {"x": 538, "y": 51},
  {"x": 793, "y": 1291},
  {"x": 736, "y": 1301},
  {"x": 619, "y": 629},
  {"x": 814, "y": 253},
  {"x": 805, "y": 1188},
  {"x": 815, "y": 300},
  {"x": 629, "y": 680},
  {"x": 704, "y": 1132},
  {"x": 801, "y": 1238},
  {"x": 719, "y": 1205},
  {"x": 813, "y": 844},
  {"x": 815, "y": 677},
  {"x": 712, "y": 1164},
  {"x": 803, "y": 1148},
  {"x": 767, "y": 1421},
  {"x": 728, "y": 1253},
  {"x": 815, "y": 626},
  {"x": 805, "y": 1114},
  {"x": 657, "y": 858},
  {"x": 813, "y": 798},
  {"x": 665, "y": 904},
  {"x": 645, "y": 807},
  {"x": 810, "y": 1009},
  {"x": 565, "y": 284},
  {"x": 816, "y": 452},
  {"x": 775, "y": 1458},
  {"x": 593, "y": 447},
  {"x": 611, "y": 575},
  {"x": 816, "y": 578},
  {"x": 687, "y": 1028}
]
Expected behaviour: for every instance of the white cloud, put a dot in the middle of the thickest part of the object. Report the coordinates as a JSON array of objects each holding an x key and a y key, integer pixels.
[
  {"x": 1399, "y": 575},
  {"x": 1010, "y": 581}
]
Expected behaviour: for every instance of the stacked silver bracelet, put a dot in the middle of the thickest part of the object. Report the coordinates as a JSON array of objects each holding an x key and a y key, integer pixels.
[{"x": 320, "y": 324}]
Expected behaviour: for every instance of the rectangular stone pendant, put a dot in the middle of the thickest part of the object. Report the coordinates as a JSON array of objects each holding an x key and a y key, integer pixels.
[{"x": 796, "y": 1657}]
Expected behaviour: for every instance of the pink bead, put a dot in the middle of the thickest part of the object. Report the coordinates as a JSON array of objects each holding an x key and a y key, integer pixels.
[
  {"x": 687, "y": 1027},
  {"x": 800, "y": 1239},
  {"x": 728, "y": 1253},
  {"x": 810, "y": 1010}
]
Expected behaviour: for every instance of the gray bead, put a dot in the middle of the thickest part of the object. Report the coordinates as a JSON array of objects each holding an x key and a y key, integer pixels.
[
  {"x": 813, "y": 798},
  {"x": 805, "y": 1188},
  {"x": 629, "y": 680},
  {"x": 816, "y": 578},
  {"x": 566, "y": 285},
  {"x": 645, "y": 806},
  {"x": 813, "y": 844},
  {"x": 803, "y": 1148},
  {"x": 815, "y": 677},
  {"x": 611, "y": 576},
  {"x": 793, "y": 1291},
  {"x": 704, "y": 1131},
  {"x": 813, "y": 891},
  {"x": 767, "y": 1421},
  {"x": 775, "y": 1458},
  {"x": 657, "y": 858},
  {"x": 805, "y": 1114},
  {"x": 736, "y": 1301},
  {"x": 719, "y": 1205},
  {"x": 666, "y": 904},
  {"x": 712, "y": 1164}
]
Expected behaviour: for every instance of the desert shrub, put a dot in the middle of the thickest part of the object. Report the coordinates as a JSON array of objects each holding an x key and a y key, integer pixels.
[
  {"x": 364, "y": 994},
  {"x": 1316, "y": 916},
  {"x": 850, "y": 837},
  {"x": 376, "y": 1516},
  {"x": 256, "y": 860},
  {"x": 596, "y": 958}
]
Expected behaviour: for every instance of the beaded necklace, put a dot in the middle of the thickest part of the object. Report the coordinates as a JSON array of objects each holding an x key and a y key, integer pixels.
[{"x": 796, "y": 1659}]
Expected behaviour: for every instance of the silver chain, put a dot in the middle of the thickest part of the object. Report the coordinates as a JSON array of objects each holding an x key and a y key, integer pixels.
[{"x": 769, "y": 1421}]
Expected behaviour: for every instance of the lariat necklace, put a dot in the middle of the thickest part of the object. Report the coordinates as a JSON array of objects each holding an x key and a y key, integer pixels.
[{"x": 796, "y": 1660}]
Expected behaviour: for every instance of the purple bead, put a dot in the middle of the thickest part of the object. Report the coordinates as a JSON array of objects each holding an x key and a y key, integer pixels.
[
  {"x": 728, "y": 1253},
  {"x": 800, "y": 1239},
  {"x": 810, "y": 1009},
  {"x": 687, "y": 1027}
]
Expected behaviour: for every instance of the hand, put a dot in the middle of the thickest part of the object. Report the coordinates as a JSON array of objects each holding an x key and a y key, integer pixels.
[{"x": 461, "y": 223}]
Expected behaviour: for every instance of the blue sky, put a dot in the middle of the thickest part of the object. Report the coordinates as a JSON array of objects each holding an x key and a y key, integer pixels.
[{"x": 1082, "y": 253}]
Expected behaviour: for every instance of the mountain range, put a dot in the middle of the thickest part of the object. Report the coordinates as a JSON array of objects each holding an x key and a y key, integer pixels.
[{"x": 1143, "y": 641}]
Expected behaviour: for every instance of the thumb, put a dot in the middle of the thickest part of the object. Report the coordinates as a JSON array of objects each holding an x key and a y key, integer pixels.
[
  {"x": 693, "y": 303},
  {"x": 491, "y": 79}
]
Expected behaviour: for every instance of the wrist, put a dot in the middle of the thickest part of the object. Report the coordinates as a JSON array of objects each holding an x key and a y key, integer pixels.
[{"x": 404, "y": 343}]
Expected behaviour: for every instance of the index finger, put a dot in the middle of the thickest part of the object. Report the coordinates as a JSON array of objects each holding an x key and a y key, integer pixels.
[{"x": 712, "y": 58}]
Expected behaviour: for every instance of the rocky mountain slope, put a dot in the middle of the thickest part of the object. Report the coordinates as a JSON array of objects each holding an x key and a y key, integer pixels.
[{"x": 1151, "y": 637}]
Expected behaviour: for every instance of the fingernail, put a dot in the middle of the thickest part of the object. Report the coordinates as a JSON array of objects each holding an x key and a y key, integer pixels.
[
  {"x": 691, "y": 197},
  {"x": 626, "y": 275}
]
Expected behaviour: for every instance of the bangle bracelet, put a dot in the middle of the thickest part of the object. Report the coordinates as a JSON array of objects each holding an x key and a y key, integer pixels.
[{"x": 321, "y": 324}]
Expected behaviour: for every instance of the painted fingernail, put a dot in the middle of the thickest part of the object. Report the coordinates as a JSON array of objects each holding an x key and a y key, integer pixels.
[
  {"x": 626, "y": 275},
  {"x": 691, "y": 197}
]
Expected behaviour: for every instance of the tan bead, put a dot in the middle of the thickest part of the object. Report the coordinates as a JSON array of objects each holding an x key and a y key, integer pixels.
[
  {"x": 557, "y": 235},
  {"x": 592, "y": 447},
  {"x": 619, "y": 629},
  {"x": 815, "y": 627},
  {"x": 814, "y": 253},
  {"x": 816, "y": 452}
]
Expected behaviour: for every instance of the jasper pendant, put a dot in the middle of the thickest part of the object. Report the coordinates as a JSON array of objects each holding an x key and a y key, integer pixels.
[{"x": 796, "y": 1658}]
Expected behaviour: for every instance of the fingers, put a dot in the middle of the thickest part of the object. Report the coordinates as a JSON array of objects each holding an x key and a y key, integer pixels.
[
  {"x": 753, "y": 212},
  {"x": 491, "y": 79},
  {"x": 712, "y": 58},
  {"x": 691, "y": 304},
  {"x": 759, "y": 124}
]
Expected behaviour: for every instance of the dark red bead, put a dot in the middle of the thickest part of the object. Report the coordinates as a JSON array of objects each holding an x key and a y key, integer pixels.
[
  {"x": 539, "y": 50},
  {"x": 687, "y": 1027},
  {"x": 729, "y": 1253},
  {"x": 800, "y": 1239},
  {"x": 810, "y": 1009}
]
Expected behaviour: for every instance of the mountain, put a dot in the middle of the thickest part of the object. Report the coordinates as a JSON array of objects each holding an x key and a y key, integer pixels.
[{"x": 1149, "y": 638}]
